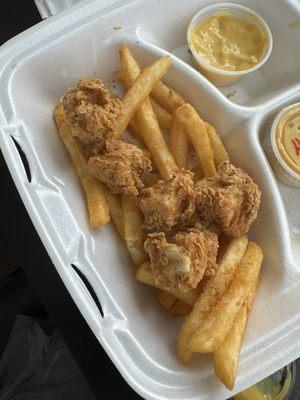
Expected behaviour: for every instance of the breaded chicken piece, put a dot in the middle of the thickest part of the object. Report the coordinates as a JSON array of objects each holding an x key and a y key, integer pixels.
[
  {"x": 92, "y": 113},
  {"x": 182, "y": 261},
  {"x": 121, "y": 167},
  {"x": 168, "y": 204},
  {"x": 231, "y": 200}
]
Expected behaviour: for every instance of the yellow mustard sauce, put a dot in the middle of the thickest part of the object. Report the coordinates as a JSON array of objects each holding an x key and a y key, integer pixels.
[
  {"x": 287, "y": 137},
  {"x": 228, "y": 42}
]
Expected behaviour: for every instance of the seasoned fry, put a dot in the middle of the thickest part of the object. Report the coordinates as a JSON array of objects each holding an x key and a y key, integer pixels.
[
  {"x": 148, "y": 126},
  {"x": 196, "y": 130},
  {"x": 133, "y": 231},
  {"x": 219, "y": 321},
  {"x": 96, "y": 203},
  {"x": 144, "y": 275},
  {"x": 179, "y": 308},
  {"x": 139, "y": 91},
  {"x": 168, "y": 97},
  {"x": 178, "y": 143},
  {"x": 116, "y": 211},
  {"x": 212, "y": 291},
  {"x": 165, "y": 299},
  {"x": 163, "y": 116},
  {"x": 218, "y": 148},
  {"x": 226, "y": 357}
]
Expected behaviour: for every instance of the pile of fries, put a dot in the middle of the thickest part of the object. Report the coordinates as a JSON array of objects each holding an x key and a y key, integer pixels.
[{"x": 218, "y": 309}]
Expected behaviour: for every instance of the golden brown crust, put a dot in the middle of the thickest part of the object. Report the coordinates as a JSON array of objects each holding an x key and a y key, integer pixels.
[
  {"x": 182, "y": 260},
  {"x": 168, "y": 204},
  {"x": 92, "y": 113},
  {"x": 231, "y": 200},
  {"x": 121, "y": 167}
]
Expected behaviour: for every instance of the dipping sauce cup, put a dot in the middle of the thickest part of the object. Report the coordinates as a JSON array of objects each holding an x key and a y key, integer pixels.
[
  {"x": 234, "y": 41},
  {"x": 282, "y": 145}
]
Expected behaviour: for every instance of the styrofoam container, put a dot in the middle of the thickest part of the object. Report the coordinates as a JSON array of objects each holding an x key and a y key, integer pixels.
[
  {"x": 222, "y": 77},
  {"x": 37, "y": 67}
]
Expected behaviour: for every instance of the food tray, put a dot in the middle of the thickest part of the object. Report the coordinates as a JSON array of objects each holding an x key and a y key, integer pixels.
[{"x": 36, "y": 69}]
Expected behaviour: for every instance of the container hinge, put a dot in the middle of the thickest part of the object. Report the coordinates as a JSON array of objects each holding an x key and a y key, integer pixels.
[{"x": 47, "y": 8}]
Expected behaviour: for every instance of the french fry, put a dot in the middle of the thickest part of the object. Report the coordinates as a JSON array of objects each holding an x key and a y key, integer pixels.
[
  {"x": 139, "y": 91},
  {"x": 178, "y": 143},
  {"x": 116, "y": 211},
  {"x": 167, "y": 96},
  {"x": 218, "y": 148},
  {"x": 212, "y": 291},
  {"x": 144, "y": 275},
  {"x": 220, "y": 319},
  {"x": 133, "y": 231},
  {"x": 94, "y": 192},
  {"x": 163, "y": 116},
  {"x": 165, "y": 299},
  {"x": 180, "y": 308},
  {"x": 226, "y": 357},
  {"x": 163, "y": 94},
  {"x": 149, "y": 128},
  {"x": 196, "y": 130},
  {"x": 152, "y": 178}
]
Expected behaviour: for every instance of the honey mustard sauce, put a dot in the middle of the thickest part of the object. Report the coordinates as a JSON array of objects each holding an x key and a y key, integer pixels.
[{"x": 228, "y": 42}]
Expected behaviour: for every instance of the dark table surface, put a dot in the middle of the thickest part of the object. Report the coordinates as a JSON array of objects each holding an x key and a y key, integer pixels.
[
  {"x": 27, "y": 248},
  {"x": 15, "y": 224}
]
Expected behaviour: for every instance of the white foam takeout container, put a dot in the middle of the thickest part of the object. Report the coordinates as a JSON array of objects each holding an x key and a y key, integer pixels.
[{"x": 36, "y": 69}]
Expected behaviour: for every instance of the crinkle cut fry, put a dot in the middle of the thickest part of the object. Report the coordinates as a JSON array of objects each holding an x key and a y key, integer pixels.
[{"x": 94, "y": 191}]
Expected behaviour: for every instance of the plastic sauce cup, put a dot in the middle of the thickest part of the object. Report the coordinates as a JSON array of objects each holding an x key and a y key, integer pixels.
[
  {"x": 281, "y": 169},
  {"x": 217, "y": 76}
]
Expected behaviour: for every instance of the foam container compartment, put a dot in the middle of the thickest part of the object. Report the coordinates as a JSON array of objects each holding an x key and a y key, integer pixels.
[{"x": 37, "y": 67}]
